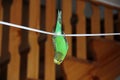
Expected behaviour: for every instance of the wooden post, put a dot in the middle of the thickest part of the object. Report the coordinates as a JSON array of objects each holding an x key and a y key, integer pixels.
[
  {"x": 81, "y": 29},
  {"x": 109, "y": 22},
  {"x": 33, "y": 57},
  {"x": 1, "y": 15},
  {"x": 95, "y": 19},
  {"x": 49, "y": 50},
  {"x": 14, "y": 41},
  {"x": 67, "y": 13}
]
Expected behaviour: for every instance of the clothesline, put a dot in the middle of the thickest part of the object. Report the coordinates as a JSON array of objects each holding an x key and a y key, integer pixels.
[{"x": 50, "y": 33}]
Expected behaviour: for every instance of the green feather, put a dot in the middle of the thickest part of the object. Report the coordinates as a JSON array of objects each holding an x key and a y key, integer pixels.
[{"x": 60, "y": 43}]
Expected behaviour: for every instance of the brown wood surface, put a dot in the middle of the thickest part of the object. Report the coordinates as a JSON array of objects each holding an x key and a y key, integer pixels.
[
  {"x": 105, "y": 67},
  {"x": 81, "y": 29},
  {"x": 33, "y": 57},
  {"x": 1, "y": 15},
  {"x": 107, "y": 58},
  {"x": 88, "y": 77},
  {"x": 95, "y": 19},
  {"x": 67, "y": 13},
  {"x": 14, "y": 41},
  {"x": 77, "y": 69},
  {"x": 102, "y": 48},
  {"x": 109, "y": 71},
  {"x": 109, "y": 27},
  {"x": 49, "y": 50}
]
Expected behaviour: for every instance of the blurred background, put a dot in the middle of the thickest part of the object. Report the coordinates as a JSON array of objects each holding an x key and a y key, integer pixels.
[{"x": 27, "y": 55}]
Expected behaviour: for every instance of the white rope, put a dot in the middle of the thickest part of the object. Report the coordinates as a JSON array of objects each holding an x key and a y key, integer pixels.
[{"x": 50, "y": 33}]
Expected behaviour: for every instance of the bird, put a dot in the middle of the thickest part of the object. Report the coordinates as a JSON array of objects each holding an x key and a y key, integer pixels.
[{"x": 59, "y": 41}]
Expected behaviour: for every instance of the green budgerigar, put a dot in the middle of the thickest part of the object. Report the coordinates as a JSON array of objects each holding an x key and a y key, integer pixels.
[{"x": 59, "y": 41}]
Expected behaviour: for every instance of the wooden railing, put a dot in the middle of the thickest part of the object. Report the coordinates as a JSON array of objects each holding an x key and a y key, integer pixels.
[{"x": 29, "y": 55}]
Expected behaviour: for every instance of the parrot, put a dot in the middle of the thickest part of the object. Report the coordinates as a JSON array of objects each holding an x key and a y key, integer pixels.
[{"x": 59, "y": 41}]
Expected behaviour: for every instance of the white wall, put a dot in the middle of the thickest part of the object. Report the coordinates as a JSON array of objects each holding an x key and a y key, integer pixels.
[{"x": 112, "y": 2}]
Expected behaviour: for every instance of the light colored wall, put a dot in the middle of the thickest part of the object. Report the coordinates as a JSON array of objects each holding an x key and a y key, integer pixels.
[{"x": 112, "y": 2}]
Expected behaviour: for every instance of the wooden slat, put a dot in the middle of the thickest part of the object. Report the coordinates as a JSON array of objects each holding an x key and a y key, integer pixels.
[
  {"x": 81, "y": 29},
  {"x": 95, "y": 19},
  {"x": 14, "y": 41},
  {"x": 49, "y": 50},
  {"x": 67, "y": 13},
  {"x": 108, "y": 15},
  {"x": 33, "y": 57},
  {"x": 1, "y": 15}
]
